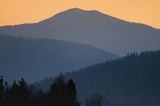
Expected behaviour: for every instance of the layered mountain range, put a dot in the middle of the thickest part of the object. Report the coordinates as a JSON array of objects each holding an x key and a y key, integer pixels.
[
  {"x": 93, "y": 28},
  {"x": 34, "y": 59},
  {"x": 74, "y": 39}
]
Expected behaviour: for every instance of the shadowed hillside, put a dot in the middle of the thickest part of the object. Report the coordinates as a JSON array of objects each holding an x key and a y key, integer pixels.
[
  {"x": 35, "y": 59},
  {"x": 130, "y": 81}
]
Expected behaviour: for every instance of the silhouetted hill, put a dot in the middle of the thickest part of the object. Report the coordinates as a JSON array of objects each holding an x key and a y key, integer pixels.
[
  {"x": 130, "y": 81},
  {"x": 35, "y": 59},
  {"x": 94, "y": 28}
]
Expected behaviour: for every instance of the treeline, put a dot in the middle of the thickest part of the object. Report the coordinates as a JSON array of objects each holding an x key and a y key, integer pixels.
[{"x": 61, "y": 93}]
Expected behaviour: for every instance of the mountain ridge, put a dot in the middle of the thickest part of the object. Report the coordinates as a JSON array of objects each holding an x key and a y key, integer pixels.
[
  {"x": 93, "y": 28},
  {"x": 23, "y": 57},
  {"x": 82, "y": 10},
  {"x": 79, "y": 10},
  {"x": 132, "y": 80}
]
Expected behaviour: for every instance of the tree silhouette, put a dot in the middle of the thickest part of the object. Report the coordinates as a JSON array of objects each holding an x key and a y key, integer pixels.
[
  {"x": 1, "y": 90},
  {"x": 72, "y": 94},
  {"x": 95, "y": 100},
  {"x": 62, "y": 94},
  {"x": 20, "y": 94},
  {"x": 57, "y": 93}
]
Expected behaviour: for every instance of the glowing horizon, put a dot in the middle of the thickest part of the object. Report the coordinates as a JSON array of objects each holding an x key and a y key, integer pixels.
[{"x": 31, "y": 11}]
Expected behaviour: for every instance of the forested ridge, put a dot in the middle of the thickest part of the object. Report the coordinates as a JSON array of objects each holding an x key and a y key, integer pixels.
[
  {"x": 131, "y": 80},
  {"x": 133, "y": 77}
]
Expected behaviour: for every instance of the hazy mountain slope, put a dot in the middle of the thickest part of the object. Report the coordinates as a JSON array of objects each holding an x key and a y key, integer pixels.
[
  {"x": 35, "y": 59},
  {"x": 129, "y": 81},
  {"x": 94, "y": 28}
]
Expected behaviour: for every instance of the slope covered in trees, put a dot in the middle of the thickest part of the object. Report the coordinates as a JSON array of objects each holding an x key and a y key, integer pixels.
[{"x": 131, "y": 81}]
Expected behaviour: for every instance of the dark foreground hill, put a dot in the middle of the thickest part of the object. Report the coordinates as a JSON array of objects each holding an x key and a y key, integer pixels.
[
  {"x": 93, "y": 28},
  {"x": 35, "y": 59},
  {"x": 130, "y": 81}
]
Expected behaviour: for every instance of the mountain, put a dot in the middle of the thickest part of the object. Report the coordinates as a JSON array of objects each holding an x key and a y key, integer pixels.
[
  {"x": 93, "y": 28},
  {"x": 35, "y": 59},
  {"x": 129, "y": 81}
]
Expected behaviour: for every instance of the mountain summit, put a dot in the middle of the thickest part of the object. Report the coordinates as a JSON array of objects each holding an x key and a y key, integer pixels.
[
  {"x": 78, "y": 14},
  {"x": 93, "y": 28}
]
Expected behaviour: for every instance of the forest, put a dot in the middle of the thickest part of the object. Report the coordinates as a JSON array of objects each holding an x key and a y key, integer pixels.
[
  {"x": 140, "y": 71},
  {"x": 61, "y": 93}
]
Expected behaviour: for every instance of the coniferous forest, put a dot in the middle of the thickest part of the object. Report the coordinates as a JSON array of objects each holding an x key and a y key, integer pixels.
[{"x": 61, "y": 93}]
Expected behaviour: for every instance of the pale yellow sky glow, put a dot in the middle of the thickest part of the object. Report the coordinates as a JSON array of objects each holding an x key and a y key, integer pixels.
[{"x": 29, "y": 11}]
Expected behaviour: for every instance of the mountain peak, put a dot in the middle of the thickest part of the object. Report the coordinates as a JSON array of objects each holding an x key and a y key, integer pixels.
[
  {"x": 79, "y": 10},
  {"x": 76, "y": 9},
  {"x": 77, "y": 13},
  {"x": 82, "y": 10}
]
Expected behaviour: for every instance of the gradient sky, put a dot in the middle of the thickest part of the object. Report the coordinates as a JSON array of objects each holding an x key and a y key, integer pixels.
[{"x": 29, "y": 11}]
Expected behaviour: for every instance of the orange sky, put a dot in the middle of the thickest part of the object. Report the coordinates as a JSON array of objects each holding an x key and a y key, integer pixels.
[{"x": 29, "y": 11}]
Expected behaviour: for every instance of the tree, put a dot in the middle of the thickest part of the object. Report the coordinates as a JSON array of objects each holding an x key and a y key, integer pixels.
[
  {"x": 62, "y": 93},
  {"x": 96, "y": 100},
  {"x": 57, "y": 93},
  {"x": 2, "y": 87},
  {"x": 18, "y": 94},
  {"x": 24, "y": 92},
  {"x": 72, "y": 94}
]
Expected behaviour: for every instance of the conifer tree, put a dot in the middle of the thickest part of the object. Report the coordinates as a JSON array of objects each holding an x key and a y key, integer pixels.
[
  {"x": 72, "y": 94},
  {"x": 1, "y": 90}
]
